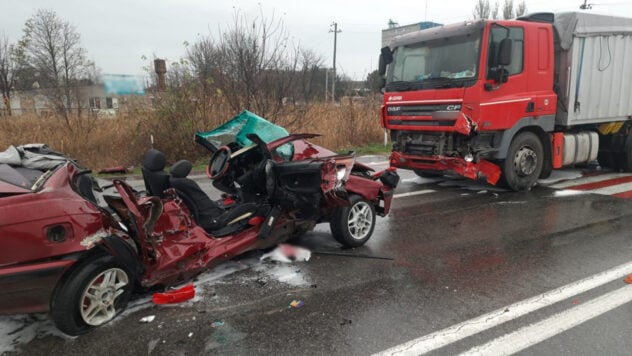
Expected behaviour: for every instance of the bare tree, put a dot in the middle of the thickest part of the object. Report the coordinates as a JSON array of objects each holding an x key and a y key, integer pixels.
[
  {"x": 311, "y": 78},
  {"x": 482, "y": 9},
  {"x": 203, "y": 56},
  {"x": 494, "y": 11},
  {"x": 521, "y": 9},
  {"x": 253, "y": 64},
  {"x": 9, "y": 68},
  {"x": 508, "y": 9},
  {"x": 53, "y": 48}
]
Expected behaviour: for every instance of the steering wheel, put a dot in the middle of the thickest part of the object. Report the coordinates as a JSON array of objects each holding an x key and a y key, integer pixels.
[{"x": 218, "y": 165}]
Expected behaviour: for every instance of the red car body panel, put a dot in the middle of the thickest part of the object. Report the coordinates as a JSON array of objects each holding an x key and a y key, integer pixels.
[
  {"x": 371, "y": 190},
  {"x": 27, "y": 288},
  {"x": 28, "y": 219}
]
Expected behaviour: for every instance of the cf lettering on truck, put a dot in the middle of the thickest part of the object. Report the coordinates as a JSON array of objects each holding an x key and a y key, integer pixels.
[{"x": 511, "y": 100}]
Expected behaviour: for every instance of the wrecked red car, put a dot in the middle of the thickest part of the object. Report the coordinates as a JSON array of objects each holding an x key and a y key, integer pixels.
[{"x": 79, "y": 252}]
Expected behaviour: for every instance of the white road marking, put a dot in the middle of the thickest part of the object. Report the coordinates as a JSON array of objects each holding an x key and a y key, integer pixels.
[
  {"x": 556, "y": 324},
  {"x": 586, "y": 180},
  {"x": 613, "y": 189},
  {"x": 484, "y": 322},
  {"x": 410, "y": 194}
]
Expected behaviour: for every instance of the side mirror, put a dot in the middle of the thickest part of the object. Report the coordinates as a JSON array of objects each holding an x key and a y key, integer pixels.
[
  {"x": 386, "y": 57},
  {"x": 504, "y": 52}
]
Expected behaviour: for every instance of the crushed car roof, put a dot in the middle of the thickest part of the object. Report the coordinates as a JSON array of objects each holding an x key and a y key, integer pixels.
[{"x": 22, "y": 165}]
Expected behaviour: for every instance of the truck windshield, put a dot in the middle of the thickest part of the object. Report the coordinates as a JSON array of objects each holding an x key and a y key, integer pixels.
[{"x": 440, "y": 63}]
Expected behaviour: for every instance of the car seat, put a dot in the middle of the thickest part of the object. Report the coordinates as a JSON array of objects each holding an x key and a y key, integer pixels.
[
  {"x": 156, "y": 179},
  {"x": 207, "y": 213}
]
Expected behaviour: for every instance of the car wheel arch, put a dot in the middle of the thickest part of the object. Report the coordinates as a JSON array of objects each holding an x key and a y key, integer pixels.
[{"x": 111, "y": 245}]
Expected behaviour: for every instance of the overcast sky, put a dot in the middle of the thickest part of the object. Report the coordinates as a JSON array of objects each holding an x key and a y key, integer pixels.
[{"x": 117, "y": 33}]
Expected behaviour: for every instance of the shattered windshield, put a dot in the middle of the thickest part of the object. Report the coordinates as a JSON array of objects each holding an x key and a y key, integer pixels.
[
  {"x": 237, "y": 129},
  {"x": 440, "y": 63}
]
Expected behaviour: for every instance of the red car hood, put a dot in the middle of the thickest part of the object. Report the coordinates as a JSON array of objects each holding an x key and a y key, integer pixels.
[{"x": 6, "y": 188}]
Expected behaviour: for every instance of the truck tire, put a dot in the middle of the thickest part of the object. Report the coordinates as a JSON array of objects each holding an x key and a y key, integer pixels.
[
  {"x": 547, "y": 164},
  {"x": 624, "y": 159},
  {"x": 524, "y": 161}
]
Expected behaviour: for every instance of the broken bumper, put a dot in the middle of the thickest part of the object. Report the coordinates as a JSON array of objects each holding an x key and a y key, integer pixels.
[{"x": 472, "y": 170}]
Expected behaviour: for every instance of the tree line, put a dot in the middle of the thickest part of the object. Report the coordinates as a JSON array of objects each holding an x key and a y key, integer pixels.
[
  {"x": 485, "y": 10},
  {"x": 253, "y": 64}
]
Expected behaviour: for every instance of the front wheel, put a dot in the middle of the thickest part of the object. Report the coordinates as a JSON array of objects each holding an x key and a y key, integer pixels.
[
  {"x": 353, "y": 225},
  {"x": 523, "y": 164},
  {"x": 91, "y": 296}
]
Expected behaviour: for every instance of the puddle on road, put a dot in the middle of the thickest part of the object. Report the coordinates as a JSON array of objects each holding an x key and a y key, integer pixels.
[
  {"x": 17, "y": 330},
  {"x": 568, "y": 193}
]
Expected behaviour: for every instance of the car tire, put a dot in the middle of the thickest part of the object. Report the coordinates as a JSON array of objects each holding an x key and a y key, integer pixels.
[
  {"x": 353, "y": 225},
  {"x": 523, "y": 164},
  {"x": 92, "y": 295}
]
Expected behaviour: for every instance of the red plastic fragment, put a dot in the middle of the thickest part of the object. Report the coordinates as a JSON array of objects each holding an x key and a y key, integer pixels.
[
  {"x": 256, "y": 221},
  {"x": 628, "y": 279},
  {"x": 175, "y": 296}
]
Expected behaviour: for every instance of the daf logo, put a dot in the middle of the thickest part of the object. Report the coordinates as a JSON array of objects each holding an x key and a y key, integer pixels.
[
  {"x": 453, "y": 107},
  {"x": 393, "y": 108},
  {"x": 394, "y": 98}
]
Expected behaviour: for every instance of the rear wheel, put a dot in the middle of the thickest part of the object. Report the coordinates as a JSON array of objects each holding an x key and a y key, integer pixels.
[
  {"x": 523, "y": 164},
  {"x": 353, "y": 225},
  {"x": 625, "y": 159},
  {"x": 91, "y": 296}
]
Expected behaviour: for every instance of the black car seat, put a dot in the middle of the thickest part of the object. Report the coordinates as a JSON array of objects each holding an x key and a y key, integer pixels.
[
  {"x": 156, "y": 179},
  {"x": 207, "y": 213}
]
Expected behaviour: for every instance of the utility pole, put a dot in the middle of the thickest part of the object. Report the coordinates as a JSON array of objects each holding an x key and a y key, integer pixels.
[
  {"x": 585, "y": 5},
  {"x": 336, "y": 31}
]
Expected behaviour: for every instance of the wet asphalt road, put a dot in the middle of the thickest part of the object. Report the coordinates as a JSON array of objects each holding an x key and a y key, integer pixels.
[{"x": 457, "y": 251}]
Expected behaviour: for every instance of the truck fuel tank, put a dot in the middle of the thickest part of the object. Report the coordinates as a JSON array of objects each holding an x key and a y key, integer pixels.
[{"x": 580, "y": 147}]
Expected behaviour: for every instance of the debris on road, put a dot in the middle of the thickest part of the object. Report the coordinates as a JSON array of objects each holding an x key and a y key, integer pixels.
[
  {"x": 175, "y": 296},
  {"x": 296, "y": 304},
  {"x": 287, "y": 253},
  {"x": 345, "y": 322},
  {"x": 147, "y": 319},
  {"x": 217, "y": 324}
]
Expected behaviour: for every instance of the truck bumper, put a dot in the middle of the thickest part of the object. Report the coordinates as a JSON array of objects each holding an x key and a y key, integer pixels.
[{"x": 471, "y": 170}]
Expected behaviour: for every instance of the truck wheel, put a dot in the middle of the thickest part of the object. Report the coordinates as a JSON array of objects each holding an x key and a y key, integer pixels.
[
  {"x": 547, "y": 164},
  {"x": 427, "y": 174},
  {"x": 625, "y": 159},
  {"x": 353, "y": 225},
  {"x": 91, "y": 296},
  {"x": 523, "y": 164}
]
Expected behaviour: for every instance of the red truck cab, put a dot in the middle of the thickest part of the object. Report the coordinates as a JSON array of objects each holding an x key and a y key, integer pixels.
[{"x": 474, "y": 98}]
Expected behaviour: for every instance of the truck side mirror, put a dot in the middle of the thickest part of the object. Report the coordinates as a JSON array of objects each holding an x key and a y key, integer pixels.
[
  {"x": 386, "y": 57},
  {"x": 504, "y": 52}
]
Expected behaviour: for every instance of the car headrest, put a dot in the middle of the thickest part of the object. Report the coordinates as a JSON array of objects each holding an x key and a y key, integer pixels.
[
  {"x": 154, "y": 160},
  {"x": 181, "y": 169}
]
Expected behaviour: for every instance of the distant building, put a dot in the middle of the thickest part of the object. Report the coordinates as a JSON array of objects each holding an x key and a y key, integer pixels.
[
  {"x": 93, "y": 99},
  {"x": 389, "y": 33}
]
